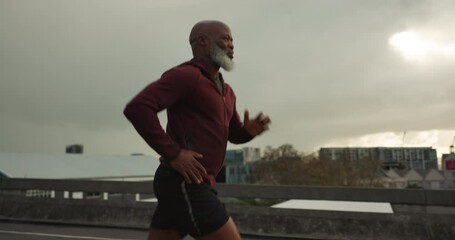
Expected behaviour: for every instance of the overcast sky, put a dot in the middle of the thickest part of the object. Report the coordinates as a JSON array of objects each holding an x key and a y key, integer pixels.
[{"x": 328, "y": 73}]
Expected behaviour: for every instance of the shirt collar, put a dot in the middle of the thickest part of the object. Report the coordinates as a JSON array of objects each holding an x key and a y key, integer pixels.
[{"x": 199, "y": 64}]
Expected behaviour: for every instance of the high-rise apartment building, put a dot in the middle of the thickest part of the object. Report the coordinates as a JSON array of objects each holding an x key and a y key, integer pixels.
[
  {"x": 394, "y": 157},
  {"x": 236, "y": 168},
  {"x": 448, "y": 168}
]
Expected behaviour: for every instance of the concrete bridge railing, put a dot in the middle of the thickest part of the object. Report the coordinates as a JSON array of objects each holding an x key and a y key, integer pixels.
[{"x": 417, "y": 213}]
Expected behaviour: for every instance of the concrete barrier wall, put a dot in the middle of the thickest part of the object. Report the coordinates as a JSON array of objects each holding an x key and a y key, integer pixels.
[
  {"x": 394, "y": 196},
  {"x": 418, "y": 214},
  {"x": 129, "y": 214},
  {"x": 412, "y": 223}
]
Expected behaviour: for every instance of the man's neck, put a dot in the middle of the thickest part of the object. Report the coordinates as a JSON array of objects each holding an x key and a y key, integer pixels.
[{"x": 212, "y": 69}]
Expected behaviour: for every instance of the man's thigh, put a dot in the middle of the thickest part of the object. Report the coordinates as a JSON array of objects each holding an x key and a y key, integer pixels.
[
  {"x": 187, "y": 208},
  {"x": 207, "y": 213},
  {"x": 227, "y": 232}
]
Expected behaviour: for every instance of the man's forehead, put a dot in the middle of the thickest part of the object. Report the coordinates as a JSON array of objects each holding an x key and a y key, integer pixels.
[
  {"x": 210, "y": 28},
  {"x": 222, "y": 29}
]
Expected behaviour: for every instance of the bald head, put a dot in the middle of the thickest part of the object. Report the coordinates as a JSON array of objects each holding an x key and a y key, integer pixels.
[{"x": 205, "y": 28}]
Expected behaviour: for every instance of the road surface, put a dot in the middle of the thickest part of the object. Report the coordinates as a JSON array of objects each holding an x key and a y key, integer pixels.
[{"x": 13, "y": 230}]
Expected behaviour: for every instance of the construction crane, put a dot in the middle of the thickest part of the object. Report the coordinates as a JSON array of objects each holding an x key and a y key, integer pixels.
[
  {"x": 451, "y": 146},
  {"x": 402, "y": 139}
]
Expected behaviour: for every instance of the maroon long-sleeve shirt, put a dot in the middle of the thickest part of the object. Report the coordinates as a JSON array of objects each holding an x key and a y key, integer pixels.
[{"x": 200, "y": 117}]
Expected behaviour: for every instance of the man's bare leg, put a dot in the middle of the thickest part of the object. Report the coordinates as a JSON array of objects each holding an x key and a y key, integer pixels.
[
  {"x": 160, "y": 234},
  {"x": 227, "y": 232}
]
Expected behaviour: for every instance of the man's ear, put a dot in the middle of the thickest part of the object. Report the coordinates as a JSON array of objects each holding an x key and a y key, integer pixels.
[{"x": 202, "y": 40}]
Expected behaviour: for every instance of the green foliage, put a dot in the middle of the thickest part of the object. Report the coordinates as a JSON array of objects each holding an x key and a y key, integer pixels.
[
  {"x": 284, "y": 165},
  {"x": 283, "y": 151}
]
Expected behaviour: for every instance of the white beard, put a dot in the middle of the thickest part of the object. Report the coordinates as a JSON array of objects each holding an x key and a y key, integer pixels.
[{"x": 220, "y": 57}]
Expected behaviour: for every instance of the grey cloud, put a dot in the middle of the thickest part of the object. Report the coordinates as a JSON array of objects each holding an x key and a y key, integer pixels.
[{"x": 320, "y": 69}]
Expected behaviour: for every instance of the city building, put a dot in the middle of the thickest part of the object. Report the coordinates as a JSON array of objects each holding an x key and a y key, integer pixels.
[
  {"x": 390, "y": 157},
  {"x": 76, "y": 166},
  {"x": 448, "y": 167},
  {"x": 75, "y": 149},
  {"x": 237, "y": 167},
  {"x": 414, "y": 178}
]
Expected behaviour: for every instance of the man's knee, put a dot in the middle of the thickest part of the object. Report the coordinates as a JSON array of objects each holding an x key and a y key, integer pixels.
[{"x": 160, "y": 234}]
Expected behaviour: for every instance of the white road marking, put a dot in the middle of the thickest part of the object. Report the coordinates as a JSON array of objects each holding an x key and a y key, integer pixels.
[{"x": 62, "y": 236}]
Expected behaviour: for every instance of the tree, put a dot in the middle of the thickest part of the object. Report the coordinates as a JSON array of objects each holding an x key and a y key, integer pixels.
[
  {"x": 278, "y": 165},
  {"x": 285, "y": 165},
  {"x": 285, "y": 150}
]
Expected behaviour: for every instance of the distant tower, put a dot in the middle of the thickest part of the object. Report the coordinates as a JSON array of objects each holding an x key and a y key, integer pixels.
[
  {"x": 451, "y": 146},
  {"x": 75, "y": 149},
  {"x": 402, "y": 140}
]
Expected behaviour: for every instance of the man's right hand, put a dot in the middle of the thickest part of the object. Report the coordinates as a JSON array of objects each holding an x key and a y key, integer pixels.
[{"x": 189, "y": 167}]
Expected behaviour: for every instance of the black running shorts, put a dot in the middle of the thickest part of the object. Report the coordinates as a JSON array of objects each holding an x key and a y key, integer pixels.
[{"x": 187, "y": 208}]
